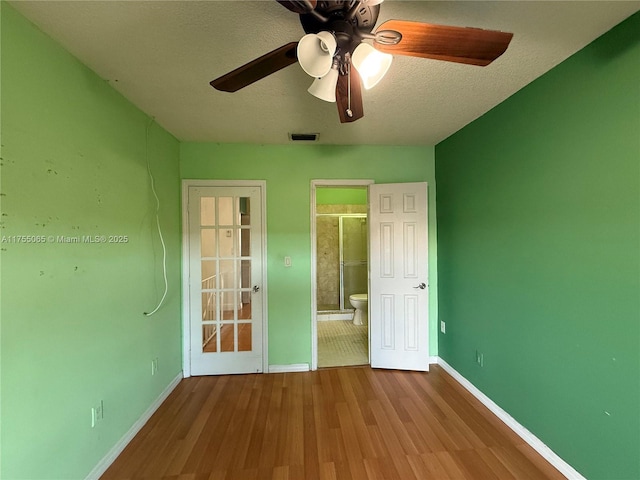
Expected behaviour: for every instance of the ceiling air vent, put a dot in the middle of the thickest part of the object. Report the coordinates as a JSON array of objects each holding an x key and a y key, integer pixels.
[{"x": 303, "y": 137}]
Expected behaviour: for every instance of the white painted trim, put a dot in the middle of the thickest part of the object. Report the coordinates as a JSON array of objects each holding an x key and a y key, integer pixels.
[
  {"x": 434, "y": 360},
  {"x": 263, "y": 280},
  {"x": 314, "y": 268},
  {"x": 537, "y": 444},
  {"x": 294, "y": 367},
  {"x": 186, "y": 313},
  {"x": 117, "y": 449},
  {"x": 186, "y": 308},
  {"x": 314, "y": 253}
]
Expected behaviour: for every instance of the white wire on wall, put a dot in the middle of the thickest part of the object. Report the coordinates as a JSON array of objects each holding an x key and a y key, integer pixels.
[{"x": 164, "y": 247}]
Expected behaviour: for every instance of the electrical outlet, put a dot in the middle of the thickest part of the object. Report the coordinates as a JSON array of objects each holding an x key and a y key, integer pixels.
[
  {"x": 154, "y": 366},
  {"x": 443, "y": 326},
  {"x": 480, "y": 358},
  {"x": 97, "y": 413}
]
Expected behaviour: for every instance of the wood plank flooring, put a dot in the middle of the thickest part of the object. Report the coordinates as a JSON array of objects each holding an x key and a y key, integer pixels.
[{"x": 335, "y": 424}]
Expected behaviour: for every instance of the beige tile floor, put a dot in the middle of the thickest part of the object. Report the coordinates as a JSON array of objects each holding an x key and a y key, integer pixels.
[{"x": 342, "y": 343}]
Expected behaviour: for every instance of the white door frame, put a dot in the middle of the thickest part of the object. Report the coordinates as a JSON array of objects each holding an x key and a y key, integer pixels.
[
  {"x": 314, "y": 257},
  {"x": 186, "y": 306}
]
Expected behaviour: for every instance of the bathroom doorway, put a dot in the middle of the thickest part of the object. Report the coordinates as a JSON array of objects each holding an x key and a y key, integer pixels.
[{"x": 340, "y": 253}]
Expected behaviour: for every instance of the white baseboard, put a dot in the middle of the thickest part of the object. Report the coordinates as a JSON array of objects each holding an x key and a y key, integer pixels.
[
  {"x": 294, "y": 367},
  {"x": 117, "y": 449},
  {"x": 537, "y": 444}
]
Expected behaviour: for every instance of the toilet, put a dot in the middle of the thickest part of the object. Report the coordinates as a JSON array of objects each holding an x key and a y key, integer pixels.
[{"x": 359, "y": 302}]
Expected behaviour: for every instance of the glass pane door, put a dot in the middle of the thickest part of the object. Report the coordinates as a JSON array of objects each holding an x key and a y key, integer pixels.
[{"x": 222, "y": 250}]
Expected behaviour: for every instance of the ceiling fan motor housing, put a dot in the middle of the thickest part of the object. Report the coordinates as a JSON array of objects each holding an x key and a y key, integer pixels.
[{"x": 347, "y": 30}]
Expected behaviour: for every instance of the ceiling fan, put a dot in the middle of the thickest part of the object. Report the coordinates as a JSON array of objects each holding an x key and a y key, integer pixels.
[{"x": 333, "y": 50}]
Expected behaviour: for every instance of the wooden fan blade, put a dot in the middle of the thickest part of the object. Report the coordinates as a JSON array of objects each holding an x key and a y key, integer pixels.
[
  {"x": 342, "y": 97},
  {"x": 472, "y": 46},
  {"x": 257, "y": 69},
  {"x": 300, "y": 6}
]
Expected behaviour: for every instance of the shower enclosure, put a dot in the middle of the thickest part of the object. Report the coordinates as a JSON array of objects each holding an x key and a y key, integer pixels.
[
  {"x": 353, "y": 258},
  {"x": 342, "y": 259}
]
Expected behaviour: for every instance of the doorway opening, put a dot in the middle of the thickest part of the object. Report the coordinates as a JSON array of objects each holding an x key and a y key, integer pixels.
[{"x": 340, "y": 261}]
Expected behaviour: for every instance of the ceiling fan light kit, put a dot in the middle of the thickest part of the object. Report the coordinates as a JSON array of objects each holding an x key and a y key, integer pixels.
[
  {"x": 316, "y": 52},
  {"x": 371, "y": 64},
  {"x": 334, "y": 53},
  {"x": 324, "y": 88}
]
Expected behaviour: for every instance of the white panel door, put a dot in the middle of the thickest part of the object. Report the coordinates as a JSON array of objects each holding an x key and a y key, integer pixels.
[
  {"x": 398, "y": 276},
  {"x": 225, "y": 272}
]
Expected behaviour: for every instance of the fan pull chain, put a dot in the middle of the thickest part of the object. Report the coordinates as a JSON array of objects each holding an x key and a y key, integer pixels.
[{"x": 349, "y": 112}]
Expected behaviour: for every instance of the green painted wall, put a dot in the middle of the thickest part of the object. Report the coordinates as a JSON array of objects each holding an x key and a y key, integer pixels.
[
  {"x": 72, "y": 326},
  {"x": 288, "y": 171},
  {"x": 538, "y": 243},
  {"x": 341, "y": 196}
]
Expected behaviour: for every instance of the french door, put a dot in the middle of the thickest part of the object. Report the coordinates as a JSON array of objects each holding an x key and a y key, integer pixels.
[{"x": 226, "y": 295}]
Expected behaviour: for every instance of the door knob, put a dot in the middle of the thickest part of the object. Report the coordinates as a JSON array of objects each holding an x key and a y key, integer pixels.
[
  {"x": 255, "y": 288},
  {"x": 422, "y": 286}
]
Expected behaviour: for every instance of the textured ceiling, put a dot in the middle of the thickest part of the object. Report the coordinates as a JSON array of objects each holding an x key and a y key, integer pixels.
[{"x": 161, "y": 55}]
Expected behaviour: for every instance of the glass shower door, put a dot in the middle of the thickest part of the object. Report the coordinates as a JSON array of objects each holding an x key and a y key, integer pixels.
[{"x": 353, "y": 257}]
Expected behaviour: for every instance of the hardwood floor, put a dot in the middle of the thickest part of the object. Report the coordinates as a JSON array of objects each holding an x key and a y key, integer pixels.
[{"x": 341, "y": 424}]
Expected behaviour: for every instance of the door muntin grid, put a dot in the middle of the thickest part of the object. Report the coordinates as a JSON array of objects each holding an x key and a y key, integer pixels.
[{"x": 225, "y": 261}]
